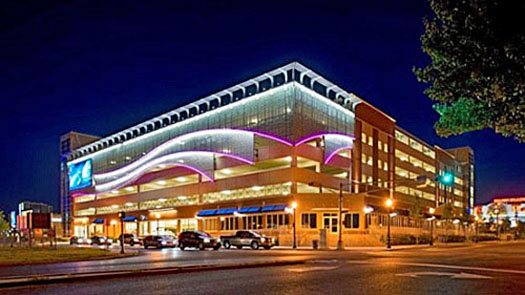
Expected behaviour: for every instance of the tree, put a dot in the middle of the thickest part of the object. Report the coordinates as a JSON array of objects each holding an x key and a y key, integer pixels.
[
  {"x": 477, "y": 69},
  {"x": 4, "y": 225}
]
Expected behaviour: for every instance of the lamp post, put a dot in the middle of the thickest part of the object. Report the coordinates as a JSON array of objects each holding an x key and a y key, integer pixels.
[
  {"x": 340, "y": 217},
  {"x": 497, "y": 222},
  {"x": 121, "y": 216},
  {"x": 294, "y": 207},
  {"x": 431, "y": 211},
  {"x": 389, "y": 203}
]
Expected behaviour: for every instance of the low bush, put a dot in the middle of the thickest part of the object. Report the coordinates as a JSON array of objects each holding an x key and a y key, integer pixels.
[{"x": 451, "y": 239}]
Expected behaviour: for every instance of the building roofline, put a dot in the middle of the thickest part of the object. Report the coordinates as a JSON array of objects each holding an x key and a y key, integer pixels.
[{"x": 348, "y": 98}]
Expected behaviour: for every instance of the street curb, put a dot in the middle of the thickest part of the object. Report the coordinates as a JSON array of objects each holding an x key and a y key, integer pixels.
[{"x": 69, "y": 277}]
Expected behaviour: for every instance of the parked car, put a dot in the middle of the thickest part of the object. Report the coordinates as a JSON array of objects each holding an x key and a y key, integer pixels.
[
  {"x": 79, "y": 241},
  {"x": 130, "y": 239},
  {"x": 100, "y": 240},
  {"x": 198, "y": 239},
  {"x": 249, "y": 238},
  {"x": 159, "y": 241}
]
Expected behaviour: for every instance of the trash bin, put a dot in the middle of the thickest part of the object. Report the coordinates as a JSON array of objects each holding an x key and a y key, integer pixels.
[
  {"x": 315, "y": 244},
  {"x": 322, "y": 238}
]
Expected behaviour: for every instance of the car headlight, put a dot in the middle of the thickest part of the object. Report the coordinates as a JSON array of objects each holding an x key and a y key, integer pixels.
[
  {"x": 80, "y": 240},
  {"x": 206, "y": 240},
  {"x": 263, "y": 240},
  {"x": 88, "y": 241},
  {"x": 135, "y": 240},
  {"x": 163, "y": 242},
  {"x": 110, "y": 240}
]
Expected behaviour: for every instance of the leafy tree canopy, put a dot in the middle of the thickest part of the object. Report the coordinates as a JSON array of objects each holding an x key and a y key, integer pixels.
[{"x": 477, "y": 69}]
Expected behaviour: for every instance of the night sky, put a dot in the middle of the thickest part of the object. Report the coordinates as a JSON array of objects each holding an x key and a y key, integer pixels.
[{"x": 98, "y": 68}]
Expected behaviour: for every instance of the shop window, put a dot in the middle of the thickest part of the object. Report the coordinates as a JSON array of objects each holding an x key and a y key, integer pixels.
[
  {"x": 351, "y": 220},
  {"x": 309, "y": 220}
]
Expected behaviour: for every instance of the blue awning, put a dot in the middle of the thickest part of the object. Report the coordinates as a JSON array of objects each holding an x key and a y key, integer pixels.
[
  {"x": 226, "y": 211},
  {"x": 216, "y": 212},
  {"x": 129, "y": 218},
  {"x": 204, "y": 213},
  {"x": 98, "y": 221},
  {"x": 246, "y": 210},
  {"x": 273, "y": 208}
]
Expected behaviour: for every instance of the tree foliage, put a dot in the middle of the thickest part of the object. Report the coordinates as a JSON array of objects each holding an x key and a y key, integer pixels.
[
  {"x": 4, "y": 224},
  {"x": 477, "y": 69}
]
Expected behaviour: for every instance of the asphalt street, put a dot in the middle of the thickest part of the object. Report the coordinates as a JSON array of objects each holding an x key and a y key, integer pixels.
[{"x": 481, "y": 269}]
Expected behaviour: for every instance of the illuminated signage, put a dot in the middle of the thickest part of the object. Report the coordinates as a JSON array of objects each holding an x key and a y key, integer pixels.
[{"x": 80, "y": 175}]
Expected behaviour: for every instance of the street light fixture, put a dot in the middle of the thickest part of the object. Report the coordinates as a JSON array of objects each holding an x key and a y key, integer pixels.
[
  {"x": 294, "y": 207},
  {"x": 496, "y": 211},
  {"x": 121, "y": 216},
  {"x": 431, "y": 211},
  {"x": 389, "y": 203}
]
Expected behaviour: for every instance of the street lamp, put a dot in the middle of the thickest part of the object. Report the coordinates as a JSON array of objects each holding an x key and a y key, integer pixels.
[
  {"x": 389, "y": 203},
  {"x": 294, "y": 207},
  {"x": 121, "y": 215},
  {"x": 431, "y": 211},
  {"x": 497, "y": 222}
]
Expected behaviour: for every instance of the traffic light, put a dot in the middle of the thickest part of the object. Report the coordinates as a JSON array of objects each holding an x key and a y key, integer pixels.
[{"x": 446, "y": 178}]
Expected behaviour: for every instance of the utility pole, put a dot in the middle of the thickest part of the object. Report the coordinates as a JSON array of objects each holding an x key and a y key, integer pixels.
[
  {"x": 121, "y": 215},
  {"x": 340, "y": 226}
]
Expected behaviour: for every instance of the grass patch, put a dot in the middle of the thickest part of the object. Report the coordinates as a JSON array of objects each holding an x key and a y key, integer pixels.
[{"x": 14, "y": 256}]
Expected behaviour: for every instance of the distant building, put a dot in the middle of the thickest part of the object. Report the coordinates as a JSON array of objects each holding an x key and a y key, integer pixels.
[
  {"x": 34, "y": 207},
  {"x": 69, "y": 142},
  {"x": 239, "y": 159},
  {"x": 511, "y": 208}
]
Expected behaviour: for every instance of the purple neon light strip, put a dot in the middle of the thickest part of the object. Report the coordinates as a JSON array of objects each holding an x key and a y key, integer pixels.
[
  {"x": 348, "y": 147},
  {"x": 317, "y": 135},
  {"x": 202, "y": 131}
]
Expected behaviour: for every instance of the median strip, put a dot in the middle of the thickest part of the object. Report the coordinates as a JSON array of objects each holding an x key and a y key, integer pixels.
[{"x": 71, "y": 277}]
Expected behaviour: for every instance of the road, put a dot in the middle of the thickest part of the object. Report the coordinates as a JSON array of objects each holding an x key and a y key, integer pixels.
[{"x": 482, "y": 269}]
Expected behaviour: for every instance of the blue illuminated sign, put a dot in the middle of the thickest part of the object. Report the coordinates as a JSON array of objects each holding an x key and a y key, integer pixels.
[
  {"x": 13, "y": 219},
  {"x": 80, "y": 175}
]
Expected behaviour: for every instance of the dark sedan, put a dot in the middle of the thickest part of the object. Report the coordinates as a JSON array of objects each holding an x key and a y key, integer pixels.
[{"x": 164, "y": 241}]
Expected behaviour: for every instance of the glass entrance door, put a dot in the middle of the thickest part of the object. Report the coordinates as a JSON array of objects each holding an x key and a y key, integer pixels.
[{"x": 330, "y": 222}]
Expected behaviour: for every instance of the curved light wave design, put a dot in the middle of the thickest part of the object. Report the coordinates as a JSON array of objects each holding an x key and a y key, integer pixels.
[
  {"x": 201, "y": 161},
  {"x": 241, "y": 139},
  {"x": 182, "y": 159}
]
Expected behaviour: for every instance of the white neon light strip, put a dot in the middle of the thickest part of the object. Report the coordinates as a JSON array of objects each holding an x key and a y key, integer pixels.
[
  {"x": 170, "y": 143},
  {"x": 167, "y": 159}
]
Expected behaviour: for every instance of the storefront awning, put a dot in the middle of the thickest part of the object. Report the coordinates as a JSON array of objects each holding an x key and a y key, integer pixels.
[
  {"x": 129, "y": 218},
  {"x": 273, "y": 208},
  {"x": 216, "y": 212},
  {"x": 247, "y": 210},
  {"x": 98, "y": 221}
]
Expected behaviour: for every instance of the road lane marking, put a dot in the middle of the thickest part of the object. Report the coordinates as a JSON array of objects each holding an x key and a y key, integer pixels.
[
  {"x": 313, "y": 268},
  {"x": 452, "y": 275},
  {"x": 461, "y": 267}
]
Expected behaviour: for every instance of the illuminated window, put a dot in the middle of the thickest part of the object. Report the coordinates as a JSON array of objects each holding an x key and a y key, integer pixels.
[
  {"x": 458, "y": 192},
  {"x": 379, "y": 164},
  {"x": 385, "y": 166},
  {"x": 363, "y": 137},
  {"x": 429, "y": 168},
  {"x": 369, "y": 162},
  {"x": 385, "y": 147},
  {"x": 363, "y": 158},
  {"x": 416, "y": 145},
  {"x": 458, "y": 180},
  {"x": 402, "y": 156},
  {"x": 379, "y": 145},
  {"x": 370, "y": 141},
  {"x": 401, "y": 137},
  {"x": 416, "y": 162},
  {"x": 428, "y": 152}
]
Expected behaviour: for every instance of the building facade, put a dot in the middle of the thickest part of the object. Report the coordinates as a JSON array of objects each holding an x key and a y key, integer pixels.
[
  {"x": 239, "y": 158},
  {"x": 503, "y": 208}
]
